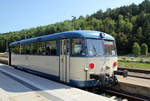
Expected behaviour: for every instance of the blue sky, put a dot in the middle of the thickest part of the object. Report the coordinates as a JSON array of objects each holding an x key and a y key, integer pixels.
[{"x": 16, "y": 15}]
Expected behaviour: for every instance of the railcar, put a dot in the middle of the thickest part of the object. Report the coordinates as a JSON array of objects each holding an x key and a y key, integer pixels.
[{"x": 80, "y": 58}]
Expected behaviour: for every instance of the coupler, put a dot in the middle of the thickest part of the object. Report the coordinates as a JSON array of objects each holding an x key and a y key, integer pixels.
[{"x": 123, "y": 73}]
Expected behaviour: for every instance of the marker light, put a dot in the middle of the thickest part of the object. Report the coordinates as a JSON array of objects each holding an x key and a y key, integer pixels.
[
  {"x": 91, "y": 65},
  {"x": 115, "y": 64}
]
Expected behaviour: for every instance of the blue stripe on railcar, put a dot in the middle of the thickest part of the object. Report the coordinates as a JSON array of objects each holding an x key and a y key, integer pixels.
[{"x": 89, "y": 83}]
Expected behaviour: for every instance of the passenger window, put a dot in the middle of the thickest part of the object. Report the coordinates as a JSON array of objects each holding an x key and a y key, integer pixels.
[
  {"x": 23, "y": 49},
  {"x": 40, "y": 48},
  {"x": 26, "y": 49},
  {"x": 16, "y": 49},
  {"x": 51, "y": 47},
  {"x": 32, "y": 48},
  {"x": 77, "y": 47}
]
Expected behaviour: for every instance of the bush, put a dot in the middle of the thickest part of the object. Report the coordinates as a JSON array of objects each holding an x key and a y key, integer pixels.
[
  {"x": 136, "y": 49},
  {"x": 144, "y": 49}
]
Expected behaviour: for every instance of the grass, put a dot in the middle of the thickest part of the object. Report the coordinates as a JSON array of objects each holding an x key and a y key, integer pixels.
[
  {"x": 134, "y": 65},
  {"x": 3, "y": 55},
  {"x": 135, "y": 59}
]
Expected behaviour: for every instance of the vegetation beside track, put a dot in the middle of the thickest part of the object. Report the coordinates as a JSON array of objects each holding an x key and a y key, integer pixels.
[
  {"x": 139, "y": 62},
  {"x": 5, "y": 55},
  {"x": 137, "y": 65},
  {"x": 141, "y": 59}
]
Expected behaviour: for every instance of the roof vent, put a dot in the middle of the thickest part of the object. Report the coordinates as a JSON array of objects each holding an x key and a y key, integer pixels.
[
  {"x": 18, "y": 43},
  {"x": 79, "y": 28},
  {"x": 102, "y": 35},
  {"x": 39, "y": 39}
]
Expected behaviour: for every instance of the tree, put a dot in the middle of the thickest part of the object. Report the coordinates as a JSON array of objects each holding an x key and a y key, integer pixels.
[
  {"x": 139, "y": 34},
  {"x": 121, "y": 23},
  {"x": 109, "y": 25},
  {"x": 128, "y": 27},
  {"x": 148, "y": 41},
  {"x": 128, "y": 24},
  {"x": 136, "y": 49},
  {"x": 144, "y": 49},
  {"x": 122, "y": 42}
]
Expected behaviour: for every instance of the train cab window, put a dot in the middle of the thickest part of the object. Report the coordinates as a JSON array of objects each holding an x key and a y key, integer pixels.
[
  {"x": 110, "y": 48},
  {"x": 78, "y": 47},
  {"x": 51, "y": 47},
  {"x": 95, "y": 47}
]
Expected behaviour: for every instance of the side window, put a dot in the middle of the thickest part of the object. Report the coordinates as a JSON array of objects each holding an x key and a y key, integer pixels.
[
  {"x": 78, "y": 47},
  {"x": 40, "y": 48},
  {"x": 16, "y": 49},
  {"x": 110, "y": 49},
  {"x": 23, "y": 49},
  {"x": 32, "y": 48},
  {"x": 51, "y": 47},
  {"x": 28, "y": 48}
]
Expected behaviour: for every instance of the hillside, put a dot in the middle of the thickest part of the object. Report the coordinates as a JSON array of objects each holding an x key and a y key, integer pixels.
[{"x": 127, "y": 24}]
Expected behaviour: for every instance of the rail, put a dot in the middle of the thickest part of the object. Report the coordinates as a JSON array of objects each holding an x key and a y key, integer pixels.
[
  {"x": 123, "y": 95},
  {"x": 135, "y": 70}
]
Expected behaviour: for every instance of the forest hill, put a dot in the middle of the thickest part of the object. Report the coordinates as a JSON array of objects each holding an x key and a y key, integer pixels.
[{"x": 128, "y": 24}]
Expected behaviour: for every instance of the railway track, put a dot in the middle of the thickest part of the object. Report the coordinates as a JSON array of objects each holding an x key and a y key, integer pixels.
[
  {"x": 138, "y": 73},
  {"x": 135, "y": 70},
  {"x": 121, "y": 95},
  {"x": 117, "y": 95},
  {"x": 139, "y": 77}
]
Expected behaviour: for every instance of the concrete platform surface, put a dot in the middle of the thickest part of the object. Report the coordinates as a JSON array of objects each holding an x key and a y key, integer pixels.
[
  {"x": 133, "y": 85},
  {"x": 16, "y": 85},
  {"x": 3, "y": 58},
  {"x": 142, "y": 75},
  {"x": 133, "y": 80}
]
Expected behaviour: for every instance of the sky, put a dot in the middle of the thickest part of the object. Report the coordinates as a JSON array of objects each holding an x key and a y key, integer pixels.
[{"x": 16, "y": 15}]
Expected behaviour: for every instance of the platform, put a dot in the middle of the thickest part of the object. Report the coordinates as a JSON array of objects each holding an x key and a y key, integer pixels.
[
  {"x": 16, "y": 85},
  {"x": 137, "y": 86},
  {"x": 140, "y": 75}
]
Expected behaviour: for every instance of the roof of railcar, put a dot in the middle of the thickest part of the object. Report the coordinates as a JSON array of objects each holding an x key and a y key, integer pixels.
[{"x": 63, "y": 35}]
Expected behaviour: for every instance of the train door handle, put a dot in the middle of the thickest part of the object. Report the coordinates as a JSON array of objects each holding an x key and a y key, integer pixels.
[{"x": 62, "y": 60}]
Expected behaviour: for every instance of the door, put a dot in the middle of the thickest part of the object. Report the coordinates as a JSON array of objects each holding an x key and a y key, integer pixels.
[{"x": 64, "y": 60}]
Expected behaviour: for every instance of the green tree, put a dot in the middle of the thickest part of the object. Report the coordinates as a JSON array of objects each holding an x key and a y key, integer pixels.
[
  {"x": 144, "y": 49},
  {"x": 139, "y": 34},
  {"x": 121, "y": 23},
  {"x": 148, "y": 41},
  {"x": 128, "y": 24},
  {"x": 122, "y": 42},
  {"x": 128, "y": 28},
  {"x": 136, "y": 49},
  {"x": 109, "y": 25}
]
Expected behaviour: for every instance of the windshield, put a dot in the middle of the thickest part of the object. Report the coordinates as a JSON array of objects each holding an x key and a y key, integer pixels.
[
  {"x": 95, "y": 47},
  {"x": 110, "y": 48}
]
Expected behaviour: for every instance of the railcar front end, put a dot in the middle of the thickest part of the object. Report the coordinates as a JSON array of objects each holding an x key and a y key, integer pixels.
[{"x": 93, "y": 62}]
